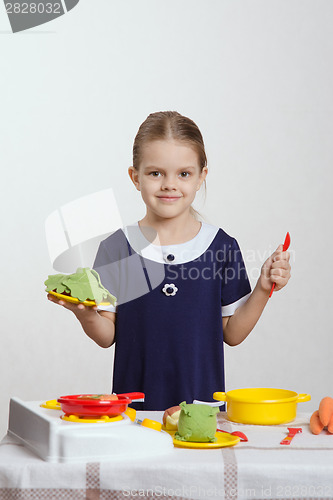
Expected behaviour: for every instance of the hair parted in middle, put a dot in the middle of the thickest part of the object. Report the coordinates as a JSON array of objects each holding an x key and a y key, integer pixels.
[{"x": 168, "y": 125}]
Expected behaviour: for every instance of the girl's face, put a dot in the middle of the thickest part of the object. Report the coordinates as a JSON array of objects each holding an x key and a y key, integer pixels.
[{"x": 168, "y": 177}]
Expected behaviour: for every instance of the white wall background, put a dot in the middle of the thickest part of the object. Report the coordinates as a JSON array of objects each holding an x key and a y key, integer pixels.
[{"x": 256, "y": 76}]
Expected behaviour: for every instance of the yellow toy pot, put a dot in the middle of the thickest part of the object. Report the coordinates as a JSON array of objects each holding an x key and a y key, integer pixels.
[{"x": 261, "y": 406}]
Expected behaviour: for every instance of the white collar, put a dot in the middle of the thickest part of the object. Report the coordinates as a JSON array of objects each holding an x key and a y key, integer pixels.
[{"x": 183, "y": 252}]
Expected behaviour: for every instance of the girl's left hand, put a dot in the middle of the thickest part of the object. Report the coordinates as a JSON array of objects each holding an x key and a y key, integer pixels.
[{"x": 276, "y": 270}]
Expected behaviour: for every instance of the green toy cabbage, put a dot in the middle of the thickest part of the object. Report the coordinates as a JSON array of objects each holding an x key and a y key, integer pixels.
[
  {"x": 85, "y": 284},
  {"x": 197, "y": 423}
]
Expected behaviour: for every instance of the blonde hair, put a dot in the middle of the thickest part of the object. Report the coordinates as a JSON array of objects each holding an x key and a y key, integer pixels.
[{"x": 164, "y": 125}]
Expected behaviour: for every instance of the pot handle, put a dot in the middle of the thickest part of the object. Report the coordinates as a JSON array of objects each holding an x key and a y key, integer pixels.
[
  {"x": 302, "y": 398},
  {"x": 220, "y": 396},
  {"x": 134, "y": 396}
]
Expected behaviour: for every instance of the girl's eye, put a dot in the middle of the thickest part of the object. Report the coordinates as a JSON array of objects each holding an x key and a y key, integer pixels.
[
  {"x": 184, "y": 175},
  {"x": 154, "y": 174}
]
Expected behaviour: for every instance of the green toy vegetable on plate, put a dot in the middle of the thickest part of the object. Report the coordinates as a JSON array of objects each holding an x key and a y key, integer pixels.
[
  {"x": 197, "y": 423},
  {"x": 84, "y": 285}
]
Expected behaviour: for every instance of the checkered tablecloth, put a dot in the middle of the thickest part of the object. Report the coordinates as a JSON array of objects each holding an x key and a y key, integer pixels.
[{"x": 258, "y": 469}]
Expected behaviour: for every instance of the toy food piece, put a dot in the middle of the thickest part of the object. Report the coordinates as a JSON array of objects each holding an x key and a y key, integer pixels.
[
  {"x": 99, "y": 397},
  {"x": 169, "y": 412},
  {"x": 85, "y": 284},
  {"x": 323, "y": 417},
  {"x": 197, "y": 423},
  {"x": 171, "y": 417},
  {"x": 315, "y": 424}
]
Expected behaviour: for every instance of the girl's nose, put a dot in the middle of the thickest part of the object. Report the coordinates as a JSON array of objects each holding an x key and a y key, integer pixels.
[{"x": 169, "y": 182}]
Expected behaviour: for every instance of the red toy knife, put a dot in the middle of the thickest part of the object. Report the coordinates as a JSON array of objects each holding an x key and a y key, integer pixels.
[{"x": 285, "y": 248}]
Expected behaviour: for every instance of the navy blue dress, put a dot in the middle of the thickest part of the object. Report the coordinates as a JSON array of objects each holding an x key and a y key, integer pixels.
[{"x": 171, "y": 299}]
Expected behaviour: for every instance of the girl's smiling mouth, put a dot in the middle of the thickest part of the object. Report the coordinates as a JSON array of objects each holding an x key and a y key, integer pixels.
[{"x": 168, "y": 198}]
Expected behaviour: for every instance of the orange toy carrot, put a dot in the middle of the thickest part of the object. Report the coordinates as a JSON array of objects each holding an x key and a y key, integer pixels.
[
  {"x": 326, "y": 410},
  {"x": 315, "y": 424},
  {"x": 322, "y": 418}
]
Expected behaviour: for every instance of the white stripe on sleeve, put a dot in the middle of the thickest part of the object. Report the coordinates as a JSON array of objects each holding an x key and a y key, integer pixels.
[{"x": 230, "y": 309}]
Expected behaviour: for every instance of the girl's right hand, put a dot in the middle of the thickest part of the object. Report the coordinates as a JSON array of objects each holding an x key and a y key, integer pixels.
[
  {"x": 80, "y": 310},
  {"x": 99, "y": 326}
]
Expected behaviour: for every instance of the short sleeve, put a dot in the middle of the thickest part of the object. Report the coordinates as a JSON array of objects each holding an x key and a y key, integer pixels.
[
  {"x": 108, "y": 272},
  {"x": 122, "y": 271},
  {"x": 236, "y": 287}
]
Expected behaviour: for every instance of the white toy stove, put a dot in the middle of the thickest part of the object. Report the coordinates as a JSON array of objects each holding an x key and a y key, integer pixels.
[{"x": 54, "y": 439}]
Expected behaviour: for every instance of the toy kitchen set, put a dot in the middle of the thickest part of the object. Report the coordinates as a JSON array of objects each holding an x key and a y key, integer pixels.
[{"x": 97, "y": 427}]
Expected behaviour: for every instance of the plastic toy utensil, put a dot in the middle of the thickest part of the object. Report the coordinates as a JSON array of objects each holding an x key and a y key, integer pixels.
[
  {"x": 292, "y": 432},
  {"x": 285, "y": 248},
  {"x": 241, "y": 435}
]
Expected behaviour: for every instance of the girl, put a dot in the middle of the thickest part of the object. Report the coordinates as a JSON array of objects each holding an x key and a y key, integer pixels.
[{"x": 181, "y": 284}]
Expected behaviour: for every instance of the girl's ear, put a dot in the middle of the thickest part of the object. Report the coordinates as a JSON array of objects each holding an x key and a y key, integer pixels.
[
  {"x": 134, "y": 175},
  {"x": 203, "y": 175}
]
